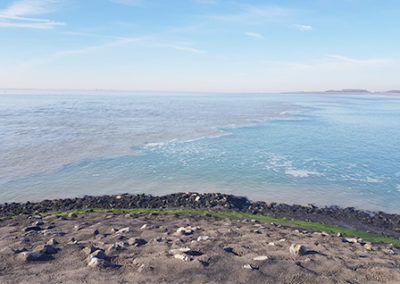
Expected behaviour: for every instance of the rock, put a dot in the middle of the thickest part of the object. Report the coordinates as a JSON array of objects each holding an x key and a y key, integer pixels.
[
  {"x": 52, "y": 242},
  {"x": 368, "y": 246},
  {"x": 137, "y": 242},
  {"x": 122, "y": 244},
  {"x": 145, "y": 268},
  {"x": 339, "y": 234},
  {"x": 182, "y": 257},
  {"x": 297, "y": 250},
  {"x": 72, "y": 215},
  {"x": 203, "y": 238},
  {"x": 114, "y": 230},
  {"x": 124, "y": 230},
  {"x": 184, "y": 231},
  {"x": 144, "y": 227},
  {"x": 39, "y": 223},
  {"x": 350, "y": 240},
  {"x": 115, "y": 247},
  {"x": 261, "y": 258},
  {"x": 95, "y": 232},
  {"x": 89, "y": 250},
  {"x": 98, "y": 253},
  {"x": 30, "y": 256},
  {"x": 32, "y": 228},
  {"x": 26, "y": 240},
  {"x": 47, "y": 249},
  {"x": 77, "y": 227},
  {"x": 271, "y": 244},
  {"x": 98, "y": 263},
  {"x": 250, "y": 266}
]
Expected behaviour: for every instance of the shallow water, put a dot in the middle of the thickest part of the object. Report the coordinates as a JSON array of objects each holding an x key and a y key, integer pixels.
[{"x": 294, "y": 148}]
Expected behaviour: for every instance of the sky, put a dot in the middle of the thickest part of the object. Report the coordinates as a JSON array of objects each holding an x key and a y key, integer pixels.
[{"x": 200, "y": 45}]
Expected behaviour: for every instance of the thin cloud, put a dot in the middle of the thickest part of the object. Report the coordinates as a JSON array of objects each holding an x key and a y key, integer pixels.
[
  {"x": 254, "y": 35},
  {"x": 19, "y": 14},
  {"x": 303, "y": 28},
  {"x": 183, "y": 48},
  {"x": 254, "y": 15}
]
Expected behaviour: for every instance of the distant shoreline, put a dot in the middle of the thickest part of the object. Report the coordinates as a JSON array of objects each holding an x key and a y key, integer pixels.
[{"x": 40, "y": 91}]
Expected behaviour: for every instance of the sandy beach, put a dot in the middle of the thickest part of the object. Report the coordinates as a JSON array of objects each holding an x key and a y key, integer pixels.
[{"x": 109, "y": 247}]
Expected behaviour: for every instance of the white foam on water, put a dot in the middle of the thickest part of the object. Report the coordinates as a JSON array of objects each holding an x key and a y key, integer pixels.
[{"x": 301, "y": 173}]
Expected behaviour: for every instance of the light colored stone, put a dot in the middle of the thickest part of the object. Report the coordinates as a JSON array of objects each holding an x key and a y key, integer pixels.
[
  {"x": 250, "y": 267},
  {"x": 203, "y": 238},
  {"x": 98, "y": 262},
  {"x": 52, "y": 242},
  {"x": 261, "y": 258},
  {"x": 47, "y": 249},
  {"x": 98, "y": 253},
  {"x": 297, "y": 250},
  {"x": 271, "y": 244},
  {"x": 124, "y": 230},
  {"x": 182, "y": 257},
  {"x": 184, "y": 231},
  {"x": 350, "y": 240}
]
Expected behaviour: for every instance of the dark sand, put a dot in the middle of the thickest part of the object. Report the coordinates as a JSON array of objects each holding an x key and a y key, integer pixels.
[{"x": 161, "y": 255}]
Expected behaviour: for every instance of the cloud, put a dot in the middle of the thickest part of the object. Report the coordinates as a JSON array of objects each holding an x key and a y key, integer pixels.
[
  {"x": 254, "y": 35},
  {"x": 183, "y": 48},
  {"x": 373, "y": 62},
  {"x": 333, "y": 62},
  {"x": 254, "y": 15},
  {"x": 303, "y": 27},
  {"x": 128, "y": 2},
  {"x": 19, "y": 14}
]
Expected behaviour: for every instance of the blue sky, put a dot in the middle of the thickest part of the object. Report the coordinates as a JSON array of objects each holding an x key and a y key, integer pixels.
[{"x": 200, "y": 45}]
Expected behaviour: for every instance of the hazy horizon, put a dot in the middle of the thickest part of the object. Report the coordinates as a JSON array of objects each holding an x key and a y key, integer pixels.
[{"x": 199, "y": 45}]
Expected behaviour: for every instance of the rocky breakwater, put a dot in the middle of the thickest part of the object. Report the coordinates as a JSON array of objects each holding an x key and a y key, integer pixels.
[{"x": 376, "y": 222}]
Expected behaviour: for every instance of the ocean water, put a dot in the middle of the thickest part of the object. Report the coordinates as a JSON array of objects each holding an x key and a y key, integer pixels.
[{"x": 296, "y": 148}]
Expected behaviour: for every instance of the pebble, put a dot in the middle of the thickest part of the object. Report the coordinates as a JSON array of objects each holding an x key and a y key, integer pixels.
[
  {"x": 271, "y": 244},
  {"x": 249, "y": 266},
  {"x": 32, "y": 228},
  {"x": 124, "y": 230},
  {"x": 26, "y": 240},
  {"x": 182, "y": 257},
  {"x": 98, "y": 262},
  {"x": 114, "y": 230},
  {"x": 203, "y": 238},
  {"x": 261, "y": 258},
  {"x": 297, "y": 250},
  {"x": 98, "y": 253},
  {"x": 72, "y": 215},
  {"x": 137, "y": 242},
  {"x": 52, "y": 242},
  {"x": 39, "y": 223},
  {"x": 350, "y": 240},
  {"x": 47, "y": 249},
  {"x": 184, "y": 231}
]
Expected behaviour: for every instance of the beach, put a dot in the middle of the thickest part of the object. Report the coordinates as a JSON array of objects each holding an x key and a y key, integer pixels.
[{"x": 178, "y": 244}]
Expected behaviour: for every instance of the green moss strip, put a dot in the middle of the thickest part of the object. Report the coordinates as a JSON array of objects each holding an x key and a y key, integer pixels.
[{"x": 376, "y": 238}]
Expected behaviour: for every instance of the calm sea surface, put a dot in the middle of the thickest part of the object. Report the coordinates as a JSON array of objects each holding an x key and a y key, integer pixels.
[{"x": 294, "y": 148}]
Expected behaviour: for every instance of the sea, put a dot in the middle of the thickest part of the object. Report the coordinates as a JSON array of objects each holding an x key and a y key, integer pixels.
[{"x": 325, "y": 149}]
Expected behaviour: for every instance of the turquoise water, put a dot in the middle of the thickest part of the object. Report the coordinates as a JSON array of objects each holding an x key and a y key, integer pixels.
[{"x": 295, "y": 148}]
